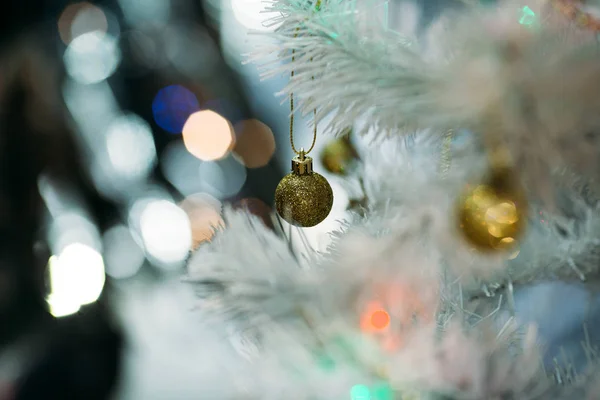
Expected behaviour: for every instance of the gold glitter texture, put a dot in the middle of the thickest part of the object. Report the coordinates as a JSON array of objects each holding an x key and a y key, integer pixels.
[
  {"x": 492, "y": 215},
  {"x": 303, "y": 198}
]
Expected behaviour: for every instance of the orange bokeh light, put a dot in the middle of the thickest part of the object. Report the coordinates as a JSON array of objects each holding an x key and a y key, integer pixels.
[
  {"x": 255, "y": 143},
  {"x": 374, "y": 318},
  {"x": 380, "y": 319},
  {"x": 208, "y": 136}
]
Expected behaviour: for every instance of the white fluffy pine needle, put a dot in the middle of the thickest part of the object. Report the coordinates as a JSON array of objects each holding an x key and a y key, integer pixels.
[
  {"x": 299, "y": 314},
  {"x": 403, "y": 183},
  {"x": 301, "y": 330},
  {"x": 344, "y": 72},
  {"x": 266, "y": 276},
  {"x": 533, "y": 88}
]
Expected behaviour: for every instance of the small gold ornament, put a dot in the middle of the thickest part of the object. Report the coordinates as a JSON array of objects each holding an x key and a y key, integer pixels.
[
  {"x": 339, "y": 155},
  {"x": 303, "y": 197},
  {"x": 492, "y": 216}
]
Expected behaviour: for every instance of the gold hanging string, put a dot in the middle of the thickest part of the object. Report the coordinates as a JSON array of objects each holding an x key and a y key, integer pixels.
[{"x": 292, "y": 113}]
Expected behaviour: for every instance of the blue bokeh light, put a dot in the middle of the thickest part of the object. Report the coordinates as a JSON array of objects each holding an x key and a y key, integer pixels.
[{"x": 172, "y": 106}]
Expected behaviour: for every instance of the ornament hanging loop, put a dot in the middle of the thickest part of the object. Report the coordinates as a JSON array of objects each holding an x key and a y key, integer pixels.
[
  {"x": 302, "y": 164},
  {"x": 301, "y": 154}
]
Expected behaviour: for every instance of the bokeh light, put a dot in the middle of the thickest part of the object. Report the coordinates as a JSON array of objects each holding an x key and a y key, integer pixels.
[
  {"x": 130, "y": 146},
  {"x": 165, "y": 231},
  {"x": 76, "y": 278},
  {"x": 382, "y": 391},
  {"x": 87, "y": 269},
  {"x": 250, "y": 13},
  {"x": 374, "y": 318},
  {"x": 223, "y": 178},
  {"x": 172, "y": 106},
  {"x": 360, "y": 392},
  {"x": 79, "y": 18},
  {"x": 208, "y": 136},
  {"x": 181, "y": 168},
  {"x": 379, "y": 391},
  {"x": 60, "y": 299},
  {"x": 380, "y": 319},
  {"x": 204, "y": 213},
  {"x": 92, "y": 57},
  {"x": 527, "y": 16},
  {"x": 122, "y": 254},
  {"x": 255, "y": 143}
]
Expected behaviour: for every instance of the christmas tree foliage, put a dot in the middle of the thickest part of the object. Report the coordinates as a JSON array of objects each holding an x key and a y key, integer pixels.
[{"x": 414, "y": 297}]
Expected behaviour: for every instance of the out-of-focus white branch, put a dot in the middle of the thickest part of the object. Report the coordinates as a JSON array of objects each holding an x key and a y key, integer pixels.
[{"x": 302, "y": 315}]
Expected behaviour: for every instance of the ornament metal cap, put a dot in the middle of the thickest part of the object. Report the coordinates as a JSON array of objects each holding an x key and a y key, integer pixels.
[{"x": 302, "y": 164}]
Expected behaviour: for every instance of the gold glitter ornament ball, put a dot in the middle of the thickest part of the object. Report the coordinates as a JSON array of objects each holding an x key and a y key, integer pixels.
[
  {"x": 339, "y": 156},
  {"x": 303, "y": 198},
  {"x": 492, "y": 216}
]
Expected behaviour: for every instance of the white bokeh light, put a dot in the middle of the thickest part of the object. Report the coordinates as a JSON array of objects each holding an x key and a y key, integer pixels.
[
  {"x": 122, "y": 253},
  {"x": 60, "y": 300},
  {"x": 87, "y": 269},
  {"x": 76, "y": 278},
  {"x": 165, "y": 231},
  {"x": 130, "y": 146},
  {"x": 92, "y": 57}
]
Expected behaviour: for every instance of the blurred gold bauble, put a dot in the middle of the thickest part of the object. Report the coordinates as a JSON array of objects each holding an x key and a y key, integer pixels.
[
  {"x": 339, "y": 155},
  {"x": 492, "y": 216},
  {"x": 303, "y": 197}
]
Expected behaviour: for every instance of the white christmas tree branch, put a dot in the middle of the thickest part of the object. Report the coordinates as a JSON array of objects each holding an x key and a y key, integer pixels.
[
  {"x": 348, "y": 67},
  {"x": 553, "y": 249},
  {"x": 300, "y": 313},
  {"x": 530, "y": 87}
]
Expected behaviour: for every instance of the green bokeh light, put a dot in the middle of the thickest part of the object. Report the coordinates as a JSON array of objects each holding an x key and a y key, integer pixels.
[
  {"x": 360, "y": 392},
  {"x": 380, "y": 391},
  {"x": 527, "y": 16}
]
